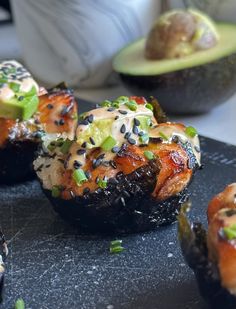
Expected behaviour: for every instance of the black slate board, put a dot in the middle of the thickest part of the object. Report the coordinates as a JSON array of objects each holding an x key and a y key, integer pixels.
[{"x": 51, "y": 265}]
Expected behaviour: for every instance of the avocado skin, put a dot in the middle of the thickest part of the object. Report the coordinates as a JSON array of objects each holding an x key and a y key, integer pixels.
[
  {"x": 124, "y": 207},
  {"x": 193, "y": 90},
  {"x": 16, "y": 159},
  {"x": 208, "y": 279}
]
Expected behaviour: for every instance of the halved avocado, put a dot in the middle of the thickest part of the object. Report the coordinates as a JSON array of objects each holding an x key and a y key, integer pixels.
[{"x": 188, "y": 85}]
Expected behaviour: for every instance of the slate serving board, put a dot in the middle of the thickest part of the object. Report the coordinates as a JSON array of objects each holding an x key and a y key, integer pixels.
[{"x": 51, "y": 265}]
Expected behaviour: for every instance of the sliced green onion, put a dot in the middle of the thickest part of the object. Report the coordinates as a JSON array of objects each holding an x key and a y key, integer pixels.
[
  {"x": 56, "y": 191},
  {"x": 105, "y": 103},
  {"x": 79, "y": 176},
  {"x": 51, "y": 146},
  {"x": 122, "y": 99},
  {"x": 11, "y": 70},
  {"x": 15, "y": 87},
  {"x": 108, "y": 144},
  {"x": 144, "y": 138},
  {"x": 75, "y": 116},
  {"x": 191, "y": 131},
  {"x": 20, "y": 304},
  {"x": 230, "y": 232},
  {"x": 116, "y": 242},
  {"x": 115, "y": 246},
  {"x": 116, "y": 249},
  {"x": 102, "y": 183},
  {"x": 149, "y": 106},
  {"x": 66, "y": 146},
  {"x": 132, "y": 105},
  {"x": 149, "y": 155},
  {"x": 115, "y": 104},
  {"x": 163, "y": 136}
]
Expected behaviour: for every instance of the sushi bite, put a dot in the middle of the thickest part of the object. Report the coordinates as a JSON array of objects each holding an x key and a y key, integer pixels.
[
  {"x": 27, "y": 112},
  {"x": 127, "y": 169},
  {"x": 212, "y": 254}
]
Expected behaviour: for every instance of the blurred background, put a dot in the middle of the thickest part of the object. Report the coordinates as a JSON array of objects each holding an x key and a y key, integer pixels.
[{"x": 74, "y": 41}]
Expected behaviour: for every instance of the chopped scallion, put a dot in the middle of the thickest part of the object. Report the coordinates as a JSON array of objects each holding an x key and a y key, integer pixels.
[
  {"x": 163, "y": 136},
  {"x": 102, "y": 183},
  {"x": 230, "y": 232},
  {"x": 66, "y": 146},
  {"x": 108, "y": 144},
  {"x": 105, "y": 103},
  {"x": 144, "y": 138},
  {"x": 191, "y": 131},
  {"x": 115, "y": 246},
  {"x": 149, "y": 106},
  {"x": 132, "y": 105},
  {"x": 14, "y": 87},
  {"x": 149, "y": 155},
  {"x": 56, "y": 191},
  {"x": 20, "y": 304},
  {"x": 117, "y": 242},
  {"x": 79, "y": 176}
]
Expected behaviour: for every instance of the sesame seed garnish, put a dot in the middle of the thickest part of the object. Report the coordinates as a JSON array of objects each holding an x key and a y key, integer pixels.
[
  {"x": 81, "y": 152},
  {"x": 110, "y": 109},
  {"x": 141, "y": 133},
  {"x": 90, "y": 118},
  {"x": 84, "y": 122},
  {"x": 113, "y": 181},
  {"x": 122, "y": 112},
  {"x": 117, "y": 117},
  {"x": 115, "y": 149},
  {"x": 61, "y": 122},
  {"x": 113, "y": 164},
  {"x": 86, "y": 190},
  {"x": 135, "y": 129},
  {"x": 50, "y": 106},
  {"x": 77, "y": 164},
  {"x": 197, "y": 148},
  {"x": 101, "y": 156},
  {"x": 97, "y": 162},
  {"x": 131, "y": 141},
  {"x": 136, "y": 122},
  {"x": 20, "y": 98},
  {"x": 84, "y": 145},
  {"x": 56, "y": 122},
  {"x": 123, "y": 128},
  {"x": 127, "y": 135},
  {"x": 88, "y": 174},
  {"x": 65, "y": 110},
  {"x": 92, "y": 141}
]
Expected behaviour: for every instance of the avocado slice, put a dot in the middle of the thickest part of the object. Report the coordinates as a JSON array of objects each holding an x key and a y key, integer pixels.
[
  {"x": 188, "y": 85},
  {"x": 21, "y": 106}
]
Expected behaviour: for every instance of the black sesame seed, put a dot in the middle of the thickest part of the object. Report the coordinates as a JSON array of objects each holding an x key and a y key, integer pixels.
[
  {"x": 110, "y": 109},
  {"x": 135, "y": 130},
  {"x": 122, "y": 112},
  {"x": 101, "y": 156},
  {"x": 60, "y": 160},
  {"x": 117, "y": 117},
  {"x": 92, "y": 141},
  {"x": 127, "y": 135},
  {"x": 105, "y": 163},
  {"x": 84, "y": 122},
  {"x": 84, "y": 145},
  {"x": 136, "y": 122},
  {"x": 126, "y": 194},
  {"x": 88, "y": 174},
  {"x": 21, "y": 97},
  {"x": 97, "y": 162},
  {"x": 56, "y": 122},
  {"x": 123, "y": 128},
  {"x": 81, "y": 152},
  {"x": 197, "y": 148},
  {"x": 48, "y": 165},
  {"x": 50, "y": 106},
  {"x": 131, "y": 141},
  {"x": 113, "y": 164},
  {"x": 61, "y": 122},
  {"x": 115, "y": 149},
  {"x": 86, "y": 190},
  {"x": 90, "y": 118},
  {"x": 175, "y": 139},
  {"x": 141, "y": 133},
  {"x": 36, "y": 121},
  {"x": 113, "y": 181},
  {"x": 65, "y": 110},
  {"x": 77, "y": 164}
]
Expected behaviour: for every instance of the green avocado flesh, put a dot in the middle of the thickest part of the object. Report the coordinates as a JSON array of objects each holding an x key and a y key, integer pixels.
[
  {"x": 131, "y": 61},
  {"x": 101, "y": 129},
  {"x": 21, "y": 107}
]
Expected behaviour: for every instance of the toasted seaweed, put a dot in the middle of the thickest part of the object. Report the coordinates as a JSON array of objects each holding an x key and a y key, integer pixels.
[
  {"x": 125, "y": 205},
  {"x": 193, "y": 244}
]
